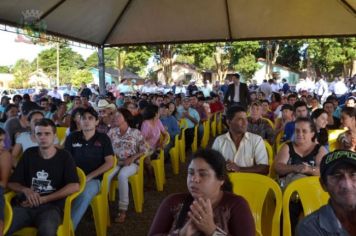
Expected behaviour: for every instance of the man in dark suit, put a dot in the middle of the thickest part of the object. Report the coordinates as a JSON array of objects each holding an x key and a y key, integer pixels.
[{"x": 237, "y": 93}]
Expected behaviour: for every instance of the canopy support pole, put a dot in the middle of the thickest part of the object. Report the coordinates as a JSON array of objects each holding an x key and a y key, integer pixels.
[{"x": 101, "y": 65}]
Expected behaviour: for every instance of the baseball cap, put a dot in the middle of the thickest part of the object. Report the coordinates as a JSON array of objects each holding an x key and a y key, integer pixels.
[
  {"x": 332, "y": 160},
  {"x": 91, "y": 111}
]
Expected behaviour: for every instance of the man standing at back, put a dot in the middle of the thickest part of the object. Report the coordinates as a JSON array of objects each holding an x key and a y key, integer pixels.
[
  {"x": 243, "y": 151},
  {"x": 44, "y": 177},
  {"x": 93, "y": 153},
  {"x": 237, "y": 93}
]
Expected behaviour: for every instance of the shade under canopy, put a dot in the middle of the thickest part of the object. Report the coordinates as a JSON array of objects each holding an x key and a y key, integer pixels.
[{"x": 129, "y": 22}]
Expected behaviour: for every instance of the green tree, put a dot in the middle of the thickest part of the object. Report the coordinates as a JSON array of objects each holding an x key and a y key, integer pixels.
[
  {"x": 247, "y": 66},
  {"x": 5, "y": 69},
  {"x": 21, "y": 71},
  {"x": 290, "y": 54},
  {"x": 196, "y": 52},
  {"x": 243, "y": 58},
  {"x": 69, "y": 61},
  {"x": 331, "y": 56},
  {"x": 133, "y": 58},
  {"x": 81, "y": 76}
]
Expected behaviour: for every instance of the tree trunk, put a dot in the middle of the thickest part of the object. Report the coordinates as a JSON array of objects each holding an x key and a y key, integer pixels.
[
  {"x": 120, "y": 64},
  {"x": 353, "y": 67},
  {"x": 166, "y": 59},
  {"x": 221, "y": 69}
]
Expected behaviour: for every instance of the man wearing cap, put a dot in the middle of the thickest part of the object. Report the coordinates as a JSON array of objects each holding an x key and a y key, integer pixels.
[
  {"x": 338, "y": 217},
  {"x": 237, "y": 93},
  {"x": 92, "y": 152},
  {"x": 106, "y": 112}
]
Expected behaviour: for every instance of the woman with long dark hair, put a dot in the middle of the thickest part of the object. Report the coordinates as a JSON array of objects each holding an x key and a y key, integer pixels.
[
  {"x": 320, "y": 119},
  {"x": 209, "y": 208},
  {"x": 75, "y": 120}
]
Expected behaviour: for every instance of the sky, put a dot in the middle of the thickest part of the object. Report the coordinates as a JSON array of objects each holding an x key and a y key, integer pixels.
[{"x": 11, "y": 51}]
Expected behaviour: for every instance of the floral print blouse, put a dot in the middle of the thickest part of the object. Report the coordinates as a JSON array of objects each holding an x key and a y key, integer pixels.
[{"x": 128, "y": 144}]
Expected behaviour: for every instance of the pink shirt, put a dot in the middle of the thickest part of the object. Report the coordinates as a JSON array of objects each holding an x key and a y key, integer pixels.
[{"x": 152, "y": 132}]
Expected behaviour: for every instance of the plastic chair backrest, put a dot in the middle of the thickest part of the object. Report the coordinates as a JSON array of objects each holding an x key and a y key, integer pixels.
[
  {"x": 269, "y": 122},
  {"x": 67, "y": 226},
  {"x": 105, "y": 183},
  {"x": 8, "y": 211},
  {"x": 269, "y": 150},
  {"x": 183, "y": 123},
  {"x": 214, "y": 125},
  {"x": 194, "y": 145},
  {"x": 61, "y": 133},
  {"x": 333, "y": 135},
  {"x": 219, "y": 123},
  {"x": 277, "y": 142},
  {"x": 141, "y": 168},
  {"x": 311, "y": 195},
  {"x": 280, "y": 146},
  {"x": 257, "y": 189}
]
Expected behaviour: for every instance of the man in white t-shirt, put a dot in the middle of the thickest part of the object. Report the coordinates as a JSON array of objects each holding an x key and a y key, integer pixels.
[{"x": 243, "y": 151}]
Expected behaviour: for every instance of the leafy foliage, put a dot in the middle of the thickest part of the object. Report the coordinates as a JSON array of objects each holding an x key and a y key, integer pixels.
[
  {"x": 22, "y": 71},
  {"x": 5, "y": 69},
  {"x": 69, "y": 62},
  {"x": 134, "y": 59}
]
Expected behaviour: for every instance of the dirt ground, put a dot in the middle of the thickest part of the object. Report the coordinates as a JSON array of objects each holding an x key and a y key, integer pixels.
[{"x": 137, "y": 224}]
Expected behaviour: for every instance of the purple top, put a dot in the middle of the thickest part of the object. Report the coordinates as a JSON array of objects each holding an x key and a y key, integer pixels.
[{"x": 232, "y": 215}]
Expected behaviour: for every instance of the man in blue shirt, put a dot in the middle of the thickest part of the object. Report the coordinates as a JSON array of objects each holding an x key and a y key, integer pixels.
[
  {"x": 300, "y": 110},
  {"x": 191, "y": 118}
]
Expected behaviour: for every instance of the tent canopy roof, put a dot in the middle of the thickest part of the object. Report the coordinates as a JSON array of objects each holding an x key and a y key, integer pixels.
[{"x": 131, "y": 22}]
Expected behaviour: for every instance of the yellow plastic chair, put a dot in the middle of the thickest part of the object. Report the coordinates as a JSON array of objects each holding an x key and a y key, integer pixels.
[
  {"x": 182, "y": 154},
  {"x": 136, "y": 182},
  {"x": 206, "y": 134},
  {"x": 280, "y": 146},
  {"x": 194, "y": 145},
  {"x": 219, "y": 123},
  {"x": 269, "y": 122},
  {"x": 277, "y": 142},
  {"x": 61, "y": 134},
  {"x": 65, "y": 229},
  {"x": 158, "y": 168},
  {"x": 270, "y": 153},
  {"x": 311, "y": 195},
  {"x": 99, "y": 204},
  {"x": 213, "y": 125},
  {"x": 264, "y": 197},
  {"x": 174, "y": 155},
  {"x": 8, "y": 211},
  {"x": 333, "y": 135}
]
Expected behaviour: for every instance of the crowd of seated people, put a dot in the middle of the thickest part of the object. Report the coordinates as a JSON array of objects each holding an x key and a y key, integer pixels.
[{"x": 126, "y": 127}]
